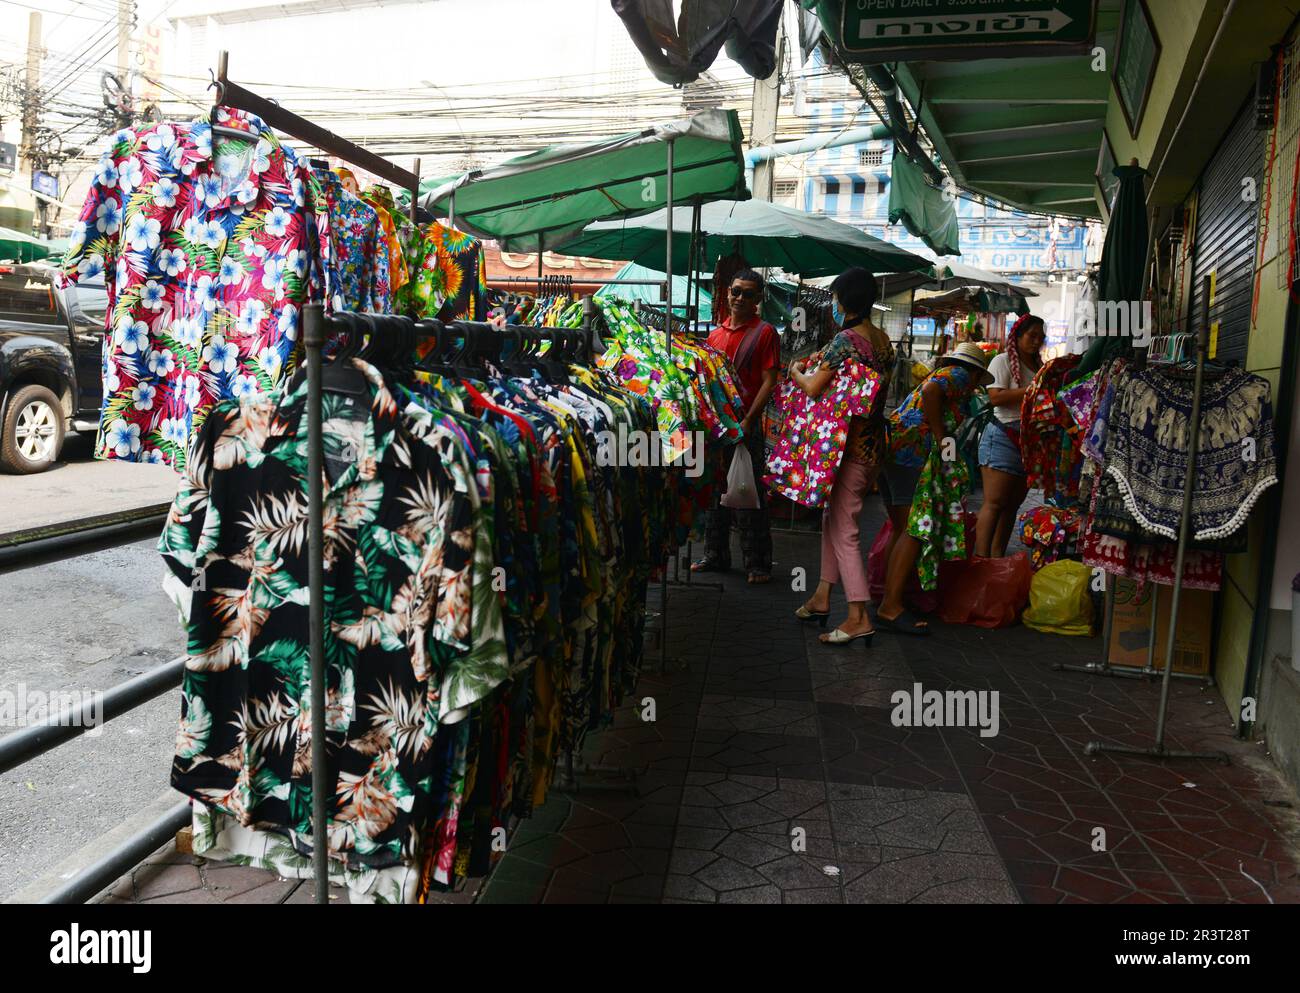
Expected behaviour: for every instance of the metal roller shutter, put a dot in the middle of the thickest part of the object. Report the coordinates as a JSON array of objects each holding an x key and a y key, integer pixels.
[{"x": 1225, "y": 234}]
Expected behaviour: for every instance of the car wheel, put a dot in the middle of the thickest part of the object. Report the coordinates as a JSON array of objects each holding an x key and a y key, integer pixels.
[{"x": 33, "y": 431}]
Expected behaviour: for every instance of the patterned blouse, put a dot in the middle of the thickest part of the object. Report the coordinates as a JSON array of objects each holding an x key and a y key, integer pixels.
[
  {"x": 909, "y": 431},
  {"x": 867, "y": 438}
]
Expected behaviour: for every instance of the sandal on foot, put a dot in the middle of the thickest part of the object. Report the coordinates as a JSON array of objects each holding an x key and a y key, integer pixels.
[
  {"x": 806, "y": 615},
  {"x": 707, "y": 564},
  {"x": 904, "y": 623},
  {"x": 838, "y": 637}
]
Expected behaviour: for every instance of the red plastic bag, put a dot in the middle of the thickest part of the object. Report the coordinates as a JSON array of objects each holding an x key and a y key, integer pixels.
[
  {"x": 913, "y": 595},
  {"x": 988, "y": 593}
]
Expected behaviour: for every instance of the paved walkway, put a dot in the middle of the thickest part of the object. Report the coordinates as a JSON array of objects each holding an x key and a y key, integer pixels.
[{"x": 772, "y": 774}]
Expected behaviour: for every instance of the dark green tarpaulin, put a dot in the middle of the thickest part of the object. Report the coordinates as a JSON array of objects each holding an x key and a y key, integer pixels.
[
  {"x": 766, "y": 234},
  {"x": 1123, "y": 260},
  {"x": 547, "y": 195},
  {"x": 928, "y": 213}
]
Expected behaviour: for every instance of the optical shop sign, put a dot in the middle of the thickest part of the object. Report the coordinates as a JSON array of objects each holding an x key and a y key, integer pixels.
[{"x": 916, "y": 30}]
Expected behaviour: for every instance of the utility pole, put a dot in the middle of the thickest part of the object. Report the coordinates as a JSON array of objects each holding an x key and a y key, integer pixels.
[
  {"x": 123, "y": 39},
  {"x": 31, "y": 104},
  {"x": 767, "y": 102}
]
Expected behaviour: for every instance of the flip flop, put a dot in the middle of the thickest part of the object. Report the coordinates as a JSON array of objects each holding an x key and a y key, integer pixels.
[
  {"x": 905, "y": 624},
  {"x": 838, "y": 637},
  {"x": 709, "y": 565}
]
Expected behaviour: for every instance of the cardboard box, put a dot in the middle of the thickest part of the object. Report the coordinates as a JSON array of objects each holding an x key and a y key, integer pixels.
[{"x": 1131, "y": 631}]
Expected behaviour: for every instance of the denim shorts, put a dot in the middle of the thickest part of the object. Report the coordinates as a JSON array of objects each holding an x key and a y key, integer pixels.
[
  {"x": 997, "y": 451},
  {"x": 898, "y": 484}
]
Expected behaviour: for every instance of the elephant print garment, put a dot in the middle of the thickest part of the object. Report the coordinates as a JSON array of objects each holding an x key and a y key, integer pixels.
[
  {"x": 402, "y": 528},
  {"x": 205, "y": 255},
  {"x": 815, "y": 431}
]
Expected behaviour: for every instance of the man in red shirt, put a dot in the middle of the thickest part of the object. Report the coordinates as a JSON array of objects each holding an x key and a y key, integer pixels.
[{"x": 754, "y": 348}]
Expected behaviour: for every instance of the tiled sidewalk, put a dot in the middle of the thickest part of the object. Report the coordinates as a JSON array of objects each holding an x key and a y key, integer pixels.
[{"x": 772, "y": 773}]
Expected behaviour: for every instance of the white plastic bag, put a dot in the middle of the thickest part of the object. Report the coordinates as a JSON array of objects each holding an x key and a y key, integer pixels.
[{"x": 742, "y": 492}]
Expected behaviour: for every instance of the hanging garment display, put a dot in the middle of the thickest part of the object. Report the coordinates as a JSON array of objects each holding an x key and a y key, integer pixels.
[
  {"x": 448, "y": 275},
  {"x": 1050, "y": 443},
  {"x": 450, "y": 695},
  {"x": 205, "y": 250},
  {"x": 355, "y": 253},
  {"x": 1049, "y": 533},
  {"x": 1148, "y": 442}
]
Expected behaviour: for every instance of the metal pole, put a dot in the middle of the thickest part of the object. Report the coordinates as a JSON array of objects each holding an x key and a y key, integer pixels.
[
  {"x": 415, "y": 192},
  {"x": 1158, "y": 750},
  {"x": 668, "y": 344},
  {"x": 451, "y": 210},
  {"x": 314, "y": 341}
]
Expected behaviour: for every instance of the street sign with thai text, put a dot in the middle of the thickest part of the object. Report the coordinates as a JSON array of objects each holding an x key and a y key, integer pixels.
[{"x": 917, "y": 30}]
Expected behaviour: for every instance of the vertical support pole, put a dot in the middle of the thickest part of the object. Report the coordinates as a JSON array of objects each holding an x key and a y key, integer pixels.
[
  {"x": 668, "y": 344},
  {"x": 1185, "y": 523},
  {"x": 1155, "y": 616},
  {"x": 314, "y": 341},
  {"x": 451, "y": 210},
  {"x": 415, "y": 193}
]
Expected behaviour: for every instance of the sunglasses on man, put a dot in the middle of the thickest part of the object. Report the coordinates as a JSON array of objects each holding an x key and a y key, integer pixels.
[{"x": 741, "y": 293}]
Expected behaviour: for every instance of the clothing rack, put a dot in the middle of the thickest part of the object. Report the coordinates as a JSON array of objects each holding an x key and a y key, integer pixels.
[
  {"x": 231, "y": 94},
  {"x": 1158, "y": 749}
]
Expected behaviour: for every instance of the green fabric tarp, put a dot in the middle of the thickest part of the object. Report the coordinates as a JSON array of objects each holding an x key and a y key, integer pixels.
[
  {"x": 927, "y": 213},
  {"x": 1123, "y": 258},
  {"x": 548, "y": 195},
  {"x": 766, "y": 234},
  {"x": 652, "y": 294},
  {"x": 18, "y": 247}
]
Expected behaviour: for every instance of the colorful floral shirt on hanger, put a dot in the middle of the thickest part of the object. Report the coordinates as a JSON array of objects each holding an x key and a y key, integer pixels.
[
  {"x": 814, "y": 431},
  {"x": 357, "y": 268},
  {"x": 1050, "y": 440},
  {"x": 207, "y": 262},
  {"x": 448, "y": 275}
]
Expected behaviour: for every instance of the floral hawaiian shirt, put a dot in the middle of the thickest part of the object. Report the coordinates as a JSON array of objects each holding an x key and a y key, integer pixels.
[
  {"x": 400, "y": 533},
  {"x": 814, "y": 432},
  {"x": 207, "y": 258},
  {"x": 357, "y": 264},
  {"x": 938, "y": 515},
  {"x": 448, "y": 275}
]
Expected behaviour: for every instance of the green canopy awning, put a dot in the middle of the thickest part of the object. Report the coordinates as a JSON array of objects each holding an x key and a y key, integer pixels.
[
  {"x": 18, "y": 247},
  {"x": 766, "y": 234},
  {"x": 653, "y": 295},
  {"x": 928, "y": 213},
  {"x": 540, "y": 198}
]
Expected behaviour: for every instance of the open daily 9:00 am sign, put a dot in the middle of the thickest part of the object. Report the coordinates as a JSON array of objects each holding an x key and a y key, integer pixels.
[{"x": 917, "y": 30}]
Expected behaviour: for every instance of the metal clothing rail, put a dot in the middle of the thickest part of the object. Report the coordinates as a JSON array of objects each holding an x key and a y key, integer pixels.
[
  {"x": 1158, "y": 749},
  {"x": 231, "y": 94}
]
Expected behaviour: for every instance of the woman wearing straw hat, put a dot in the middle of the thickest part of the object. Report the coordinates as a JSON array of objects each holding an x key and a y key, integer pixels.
[{"x": 929, "y": 415}]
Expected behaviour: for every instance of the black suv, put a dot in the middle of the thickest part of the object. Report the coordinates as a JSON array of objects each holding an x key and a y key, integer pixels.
[{"x": 50, "y": 363}]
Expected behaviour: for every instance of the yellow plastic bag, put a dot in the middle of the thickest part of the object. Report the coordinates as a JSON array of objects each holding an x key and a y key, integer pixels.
[{"x": 1059, "y": 601}]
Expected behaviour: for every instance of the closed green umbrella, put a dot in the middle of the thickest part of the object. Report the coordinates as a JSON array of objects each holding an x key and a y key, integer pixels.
[
  {"x": 766, "y": 234},
  {"x": 18, "y": 247},
  {"x": 1123, "y": 261}
]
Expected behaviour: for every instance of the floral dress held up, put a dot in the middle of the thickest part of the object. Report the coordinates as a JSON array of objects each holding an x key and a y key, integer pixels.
[{"x": 815, "y": 431}]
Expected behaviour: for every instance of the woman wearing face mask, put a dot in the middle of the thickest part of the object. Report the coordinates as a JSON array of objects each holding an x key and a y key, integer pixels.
[
  {"x": 1001, "y": 468},
  {"x": 854, "y": 295}
]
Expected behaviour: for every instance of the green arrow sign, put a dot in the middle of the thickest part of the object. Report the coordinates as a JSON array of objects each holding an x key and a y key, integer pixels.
[{"x": 915, "y": 30}]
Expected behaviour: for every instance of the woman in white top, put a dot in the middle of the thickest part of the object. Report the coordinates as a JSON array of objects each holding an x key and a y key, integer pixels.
[{"x": 1001, "y": 467}]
